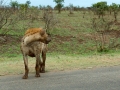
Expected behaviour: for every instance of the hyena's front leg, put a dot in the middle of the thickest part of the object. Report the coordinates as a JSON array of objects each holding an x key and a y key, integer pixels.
[
  {"x": 25, "y": 58},
  {"x": 42, "y": 70}
]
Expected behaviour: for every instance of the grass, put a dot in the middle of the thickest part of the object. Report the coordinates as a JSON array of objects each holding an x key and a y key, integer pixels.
[
  {"x": 57, "y": 62},
  {"x": 72, "y": 46}
]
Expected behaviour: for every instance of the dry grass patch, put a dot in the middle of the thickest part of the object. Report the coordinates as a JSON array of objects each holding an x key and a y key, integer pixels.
[{"x": 10, "y": 66}]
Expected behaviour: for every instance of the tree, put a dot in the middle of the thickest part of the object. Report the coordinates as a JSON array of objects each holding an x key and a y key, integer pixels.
[
  {"x": 5, "y": 18},
  {"x": 100, "y": 8},
  {"x": 28, "y": 3},
  {"x": 23, "y": 7},
  {"x": 40, "y": 7},
  {"x": 1, "y": 2},
  {"x": 100, "y": 28},
  {"x": 49, "y": 19},
  {"x": 115, "y": 9},
  {"x": 14, "y": 5},
  {"x": 49, "y": 7},
  {"x": 71, "y": 7},
  {"x": 59, "y": 5},
  {"x": 110, "y": 9}
]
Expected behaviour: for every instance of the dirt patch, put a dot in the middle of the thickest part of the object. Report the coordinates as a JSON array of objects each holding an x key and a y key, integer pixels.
[
  {"x": 108, "y": 33},
  {"x": 60, "y": 39},
  {"x": 115, "y": 33},
  {"x": 7, "y": 39}
]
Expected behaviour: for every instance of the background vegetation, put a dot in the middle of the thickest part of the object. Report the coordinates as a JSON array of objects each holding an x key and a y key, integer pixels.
[{"x": 75, "y": 30}]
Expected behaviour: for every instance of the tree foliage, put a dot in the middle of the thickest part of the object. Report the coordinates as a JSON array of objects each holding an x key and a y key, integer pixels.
[
  {"x": 23, "y": 7},
  {"x": 14, "y": 4},
  {"x": 59, "y": 4},
  {"x": 99, "y": 8},
  {"x": 115, "y": 8},
  {"x": 28, "y": 2}
]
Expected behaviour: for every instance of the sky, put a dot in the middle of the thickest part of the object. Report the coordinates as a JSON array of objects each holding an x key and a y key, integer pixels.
[{"x": 81, "y": 3}]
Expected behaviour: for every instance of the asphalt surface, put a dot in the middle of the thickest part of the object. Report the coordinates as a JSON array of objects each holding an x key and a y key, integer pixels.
[{"x": 105, "y": 78}]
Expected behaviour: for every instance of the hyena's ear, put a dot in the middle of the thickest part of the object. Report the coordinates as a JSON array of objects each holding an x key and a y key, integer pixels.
[{"x": 42, "y": 32}]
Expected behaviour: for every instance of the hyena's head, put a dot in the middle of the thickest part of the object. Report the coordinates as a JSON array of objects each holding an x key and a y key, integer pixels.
[{"x": 45, "y": 38}]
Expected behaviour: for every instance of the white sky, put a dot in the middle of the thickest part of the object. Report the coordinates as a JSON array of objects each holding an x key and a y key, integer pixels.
[{"x": 81, "y": 3}]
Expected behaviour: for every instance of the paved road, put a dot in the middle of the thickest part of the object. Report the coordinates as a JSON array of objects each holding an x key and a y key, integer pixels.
[{"x": 105, "y": 78}]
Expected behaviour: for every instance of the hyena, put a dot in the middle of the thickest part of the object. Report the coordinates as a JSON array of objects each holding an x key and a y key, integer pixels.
[{"x": 33, "y": 44}]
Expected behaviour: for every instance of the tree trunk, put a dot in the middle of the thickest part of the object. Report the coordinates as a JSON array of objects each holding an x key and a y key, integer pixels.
[
  {"x": 59, "y": 10},
  {"x": 115, "y": 15}
]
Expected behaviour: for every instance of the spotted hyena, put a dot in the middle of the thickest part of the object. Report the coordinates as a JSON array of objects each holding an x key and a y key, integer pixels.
[{"x": 33, "y": 44}]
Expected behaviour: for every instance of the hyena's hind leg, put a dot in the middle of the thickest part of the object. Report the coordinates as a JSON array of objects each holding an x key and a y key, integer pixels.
[{"x": 25, "y": 58}]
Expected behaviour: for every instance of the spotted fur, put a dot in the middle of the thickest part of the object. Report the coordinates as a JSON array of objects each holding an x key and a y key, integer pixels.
[
  {"x": 32, "y": 31},
  {"x": 33, "y": 44}
]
